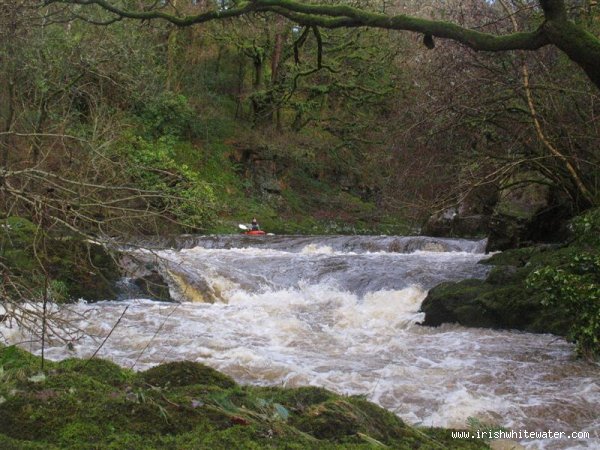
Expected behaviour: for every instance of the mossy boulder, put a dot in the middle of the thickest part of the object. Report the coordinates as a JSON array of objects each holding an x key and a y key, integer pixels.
[
  {"x": 456, "y": 303},
  {"x": 299, "y": 399},
  {"x": 503, "y": 300},
  {"x": 88, "y": 269},
  {"x": 103, "y": 370},
  {"x": 14, "y": 358},
  {"x": 528, "y": 211},
  {"x": 349, "y": 420},
  {"x": 333, "y": 420},
  {"x": 185, "y": 373},
  {"x": 77, "y": 268}
]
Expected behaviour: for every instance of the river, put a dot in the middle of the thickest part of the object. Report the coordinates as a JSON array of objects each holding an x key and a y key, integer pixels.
[{"x": 343, "y": 313}]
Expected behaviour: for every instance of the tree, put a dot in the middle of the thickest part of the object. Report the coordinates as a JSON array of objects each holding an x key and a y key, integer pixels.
[
  {"x": 555, "y": 29},
  {"x": 549, "y": 24},
  {"x": 73, "y": 174}
]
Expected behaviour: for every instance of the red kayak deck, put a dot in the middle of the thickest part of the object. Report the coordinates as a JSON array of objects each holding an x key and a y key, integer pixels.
[{"x": 255, "y": 232}]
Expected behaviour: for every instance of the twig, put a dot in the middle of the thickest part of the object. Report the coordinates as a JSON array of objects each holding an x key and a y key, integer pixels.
[
  {"x": 108, "y": 335},
  {"x": 155, "y": 334}
]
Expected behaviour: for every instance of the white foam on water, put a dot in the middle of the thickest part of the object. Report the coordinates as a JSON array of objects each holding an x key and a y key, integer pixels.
[
  {"x": 315, "y": 249},
  {"x": 320, "y": 334},
  {"x": 383, "y": 310}
]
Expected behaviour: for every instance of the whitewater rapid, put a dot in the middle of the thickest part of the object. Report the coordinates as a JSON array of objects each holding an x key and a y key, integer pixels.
[{"x": 342, "y": 313}]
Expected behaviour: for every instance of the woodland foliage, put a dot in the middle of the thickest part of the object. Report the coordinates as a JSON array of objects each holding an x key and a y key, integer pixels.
[
  {"x": 363, "y": 116},
  {"x": 575, "y": 284}
]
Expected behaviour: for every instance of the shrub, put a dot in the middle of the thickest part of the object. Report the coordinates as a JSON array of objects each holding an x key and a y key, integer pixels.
[
  {"x": 155, "y": 167},
  {"x": 575, "y": 284},
  {"x": 586, "y": 228},
  {"x": 167, "y": 114}
]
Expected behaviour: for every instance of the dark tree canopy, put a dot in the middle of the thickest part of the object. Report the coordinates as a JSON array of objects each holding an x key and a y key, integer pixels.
[{"x": 556, "y": 29}]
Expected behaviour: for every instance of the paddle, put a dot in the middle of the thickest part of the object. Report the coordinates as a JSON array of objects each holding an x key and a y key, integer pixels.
[{"x": 245, "y": 228}]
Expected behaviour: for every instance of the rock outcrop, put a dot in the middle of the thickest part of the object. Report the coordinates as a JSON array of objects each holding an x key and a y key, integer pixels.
[
  {"x": 511, "y": 217},
  {"x": 503, "y": 300}
]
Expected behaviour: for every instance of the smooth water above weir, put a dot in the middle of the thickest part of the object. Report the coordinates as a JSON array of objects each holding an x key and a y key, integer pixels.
[{"x": 342, "y": 313}]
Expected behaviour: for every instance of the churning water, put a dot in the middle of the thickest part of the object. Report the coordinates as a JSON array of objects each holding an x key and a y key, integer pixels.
[{"x": 342, "y": 313}]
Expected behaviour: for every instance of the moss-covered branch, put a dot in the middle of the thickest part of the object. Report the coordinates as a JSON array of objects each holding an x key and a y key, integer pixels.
[
  {"x": 345, "y": 16},
  {"x": 181, "y": 21}
]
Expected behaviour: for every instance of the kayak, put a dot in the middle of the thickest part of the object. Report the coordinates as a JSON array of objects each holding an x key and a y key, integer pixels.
[
  {"x": 255, "y": 232},
  {"x": 247, "y": 230}
]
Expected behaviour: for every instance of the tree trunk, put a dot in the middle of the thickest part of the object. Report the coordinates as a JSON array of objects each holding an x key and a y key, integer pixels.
[
  {"x": 581, "y": 47},
  {"x": 8, "y": 89}
]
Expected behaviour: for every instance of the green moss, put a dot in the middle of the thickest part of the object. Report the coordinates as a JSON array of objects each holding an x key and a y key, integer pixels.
[
  {"x": 515, "y": 257},
  {"x": 350, "y": 420},
  {"x": 333, "y": 420},
  {"x": 185, "y": 373},
  {"x": 102, "y": 370},
  {"x": 9, "y": 443},
  {"x": 80, "y": 435},
  {"x": 242, "y": 437},
  {"x": 89, "y": 405},
  {"x": 119, "y": 441},
  {"x": 36, "y": 417},
  {"x": 299, "y": 399},
  {"x": 504, "y": 299},
  {"x": 13, "y": 357}
]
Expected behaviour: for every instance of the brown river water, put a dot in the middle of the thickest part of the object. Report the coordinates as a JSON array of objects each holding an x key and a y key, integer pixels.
[{"x": 342, "y": 313}]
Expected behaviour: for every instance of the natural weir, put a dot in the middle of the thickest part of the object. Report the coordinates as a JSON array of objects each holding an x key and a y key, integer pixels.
[{"x": 342, "y": 313}]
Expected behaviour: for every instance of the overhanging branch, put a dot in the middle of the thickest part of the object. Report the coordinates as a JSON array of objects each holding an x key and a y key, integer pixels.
[
  {"x": 339, "y": 16},
  {"x": 181, "y": 21},
  {"x": 582, "y": 47}
]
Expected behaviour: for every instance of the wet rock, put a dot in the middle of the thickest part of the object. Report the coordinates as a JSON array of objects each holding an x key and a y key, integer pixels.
[
  {"x": 457, "y": 303},
  {"x": 503, "y": 300},
  {"x": 154, "y": 286},
  {"x": 521, "y": 215},
  {"x": 433, "y": 247},
  {"x": 449, "y": 223},
  {"x": 527, "y": 214},
  {"x": 506, "y": 232},
  {"x": 145, "y": 272},
  {"x": 470, "y": 218},
  {"x": 78, "y": 267}
]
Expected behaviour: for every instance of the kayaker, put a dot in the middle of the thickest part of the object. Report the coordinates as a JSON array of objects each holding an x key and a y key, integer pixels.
[{"x": 255, "y": 226}]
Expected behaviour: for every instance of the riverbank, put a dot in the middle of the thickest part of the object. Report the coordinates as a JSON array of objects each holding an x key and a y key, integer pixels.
[
  {"x": 541, "y": 289},
  {"x": 94, "y": 403}
]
